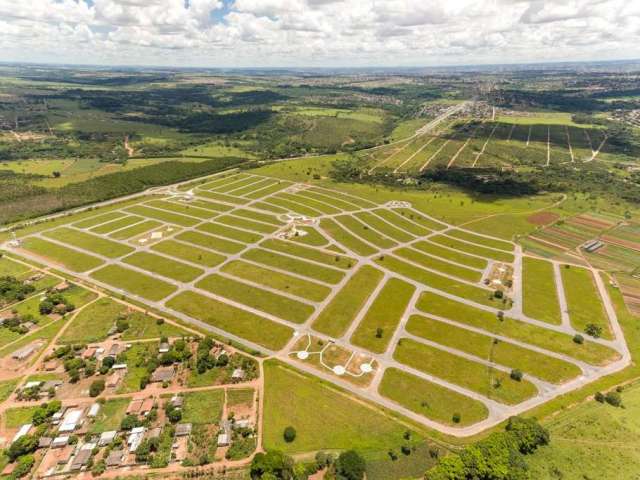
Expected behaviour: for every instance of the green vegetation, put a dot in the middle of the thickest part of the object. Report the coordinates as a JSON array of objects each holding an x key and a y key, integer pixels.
[
  {"x": 233, "y": 320},
  {"x": 453, "y": 255},
  {"x": 6, "y": 388},
  {"x": 134, "y": 282},
  {"x": 298, "y": 267},
  {"x": 485, "y": 380},
  {"x": 230, "y": 233},
  {"x": 208, "y": 241},
  {"x": 583, "y": 300},
  {"x": 540, "y": 297},
  {"x": 343, "y": 308},
  {"x": 10, "y": 268},
  {"x": 430, "y": 399},
  {"x": 240, "y": 396},
  {"x": 166, "y": 267},
  {"x": 163, "y": 215},
  {"x": 135, "y": 230},
  {"x": 117, "y": 224},
  {"x": 437, "y": 264},
  {"x": 89, "y": 242},
  {"x": 203, "y": 407},
  {"x": 71, "y": 259},
  {"x": 189, "y": 253},
  {"x": 343, "y": 237},
  {"x": 307, "y": 253},
  {"x": 94, "y": 322},
  {"x": 473, "y": 249},
  {"x": 381, "y": 320}
]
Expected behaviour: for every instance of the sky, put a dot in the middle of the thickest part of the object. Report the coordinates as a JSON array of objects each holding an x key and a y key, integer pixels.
[{"x": 317, "y": 33}]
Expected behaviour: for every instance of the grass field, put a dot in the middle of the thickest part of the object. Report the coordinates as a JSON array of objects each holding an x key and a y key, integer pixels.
[
  {"x": 10, "y": 268},
  {"x": 6, "y": 389},
  {"x": 235, "y": 321},
  {"x": 89, "y": 242},
  {"x": 381, "y": 320},
  {"x": 230, "y": 233},
  {"x": 427, "y": 261},
  {"x": 524, "y": 332},
  {"x": 98, "y": 219},
  {"x": 485, "y": 347},
  {"x": 189, "y": 253},
  {"x": 473, "y": 249},
  {"x": 430, "y": 399},
  {"x": 117, "y": 224},
  {"x": 135, "y": 230},
  {"x": 208, "y": 241},
  {"x": 142, "y": 326},
  {"x": 110, "y": 415},
  {"x": 16, "y": 417},
  {"x": 163, "y": 216},
  {"x": 166, "y": 267},
  {"x": 343, "y": 308},
  {"x": 93, "y": 323},
  {"x": 240, "y": 396},
  {"x": 540, "y": 297},
  {"x": 203, "y": 407},
  {"x": 134, "y": 282},
  {"x": 307, "y": 253},
  {"x": 452, "y": 255},
  {"x": 293, "y": 265},
  {"x": 257, "y": 298},
  {"x": 323, "y": 417},
  {"x": 343, "y": 237},
  {"x": 68, "y": 258},
  {"x": 463, "y": 372},
  {"x": 583, "y": 300},
  {"x": 276, "y": 280}
]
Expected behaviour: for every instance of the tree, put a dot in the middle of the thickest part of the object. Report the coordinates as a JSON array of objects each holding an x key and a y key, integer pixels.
[
  {"x": 129, "y": 422},
  {"x": 528, "y": 433},
  {"x": 22, "y": 446},
  {"x": 593, "y": 330},
  {"x": 24, "y": 466},
  {"x": 96, "y": 388},
  {"x": 350, "y": 466},
  {"x": 599, "y": 397},
  {"x": 579, "y": 339},
  {"x": 272, "y": 465},
  {"x": 289, "y": 434},
  {"x": 613, "y": 398},
  {"x": 516, "y": 375}
]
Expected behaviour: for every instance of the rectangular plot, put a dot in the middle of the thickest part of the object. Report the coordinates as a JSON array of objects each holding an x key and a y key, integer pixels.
[
  {"x": 299, "y": 267},
  {"x": 263, "y": 192},
  {"x": 254, "y": 328},
  {"x": 343, "y": 308},
  {"x": 401, "y": 222},
  {"x": 163, "y": 216},
  {"x": 540, "y": 297},
  {"x": 483, "y": 346},
  {"x": 440, "y": 265},
  {"x": 265, "y": 182},
  {"x": 420, "y": 219},
  {"x": 134, "y": 282},
  {"x": 163, "y": 266},
  {"x": 434, "y": 280},
  {"x": 89, "y": 242},
  {"x": 489, "y": 242},
  {"x": 71, "y": 259},
  {"x": 583, "y": 300},
  {"x": 257, "y": 298},
  {"x": 229, "y": 232},
  {"x": 411, "y": 150},
  {"x": 424, "y": 158},
  {"x": 466, "y": 373},
  {"x": 312, "y": 203},
  {"x": 430, "y": 399},
  {"x": 454, "y": 256},
  {"x": 291, "y": 206},
  {"x": 448, "y": 151},
  {"x": 241, "y": 182},
  {"x": 363, "y": 231},
  {"x": 221, "y": 197},
  {"x": 224, "y": 179},
  {"x": 116, "y": 224},
  {"x": 189, "y": 253},
  {"x": 214, "y": 243},
  {"x": 98, "y": 219},
  {"x": 246, "y": 224},
  {"x": 332, "y": 260},
  {"x": 182, "y": 209},
  {"x": 531, "y": 334},
  {"x": 380, "y": 225},
  {"x": 336, "y": 202},
  {"x": 277, "y": 280},
  {"x": 134, "y": 230},
  {"x": 207, "y": 205},
  {"x": 476, "y": 250},
  {"x": 362, "y": 202},
  {"x": 377, "y": 327},
  {"x": 269, "y": 207},
  {"x": 261, "y": 217},
  {"x": 343, "y": 237}
]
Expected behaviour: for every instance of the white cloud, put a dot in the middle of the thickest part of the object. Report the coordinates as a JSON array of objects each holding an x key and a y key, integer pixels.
[{"x": 317, "y": 32}]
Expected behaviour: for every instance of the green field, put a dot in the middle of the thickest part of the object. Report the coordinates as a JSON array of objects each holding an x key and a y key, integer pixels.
[
  {"x": 381, "y": 320},
  {"x": 188, "y": 253},
  {"x": 233, "y": 320},
  {"x": 430, "y": 399},
  {"x": 540, "y": 297},
  {"x": 293, "y": 265},
  {"x": 135, "y": 230},
  {"x": 208, "y": 241},
  {"x": 331, "y": 260},
  {"x": 257, "y": 298},
  {"x": 463, "y": 372},
  {"x": 277, "y": 280},
  {"x": 93, "y": 323},
  {"x": 583, "y": 300},
  {"x": 452, "y": 255},
  {"x": 136, "y": 369},
  {"x": 229, "y": 233},
  {"x": 68, "y": 258},
  {"x": 473, "y": 249},
  {"x": 344, "y": 237},
  {"x": 134, "y": 282},
  {"x": 439, "y": 265},
  {"x": 117, "y": 224},
  {"x": 110, "y": 415},
  {"x": 163, "y": 266},
  {"x": 89, "y": 242},
  {"x": 163, "y": 216},
  {"x": 203, "y": 407},
  {"x": 10, "y": 268},
  {"x": 343, "y": 308}
]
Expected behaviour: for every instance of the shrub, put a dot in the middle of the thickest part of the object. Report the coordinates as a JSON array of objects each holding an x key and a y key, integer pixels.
[
  {"x": 516, "y": 375},
  {"x": 96, "y": 388},
  {"x": 350, "y": 466},
  {"x": 289, "y": 434},
  {"x": 613, "y": 398},
  {"x": 593, "y": 330},
  {"x": 579, "y": 339},
  {"x": 456, "y": 418},
  {"x": 599, "y": 397}
]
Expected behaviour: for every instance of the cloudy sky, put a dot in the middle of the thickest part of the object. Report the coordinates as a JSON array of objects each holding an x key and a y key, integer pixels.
[{"x": 268, "y": 33}]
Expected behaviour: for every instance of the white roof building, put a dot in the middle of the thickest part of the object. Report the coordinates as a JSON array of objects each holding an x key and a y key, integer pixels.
[
  {"x": 107, "y": 437},
  {"x": 93, "y": 411},
  {"x": 70, "y": 421},
  {"x": 24, "y": 429},
  {"x": 135, "y": 438}
]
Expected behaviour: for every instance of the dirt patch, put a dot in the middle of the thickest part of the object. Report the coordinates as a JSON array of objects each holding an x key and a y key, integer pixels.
[{"x": 543, "y": 218}]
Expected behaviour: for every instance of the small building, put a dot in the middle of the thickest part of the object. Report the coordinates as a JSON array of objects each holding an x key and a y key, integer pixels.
[
  {"x": 80, "y": 460},
  {"x": 8, "y": 469},
  {"x": 245, "y": 423},
  {"x": 71, "y": 421},
  {"x": 62, "y": 286},
  {"x": 146, "y": 407},
  {"x": 44, "y": 442},
  {"x": 24, "y": 352},
  {"x": 30, "y": 385},
  {"x": 64, "y": 454},
  {"x": 60, "y": 442},
  {"x": 22, "y": 431},
  {"x": 115, "y": 350},
  {"x": 177, "y": 401},
  {"x": 592, "y": 246},
  {"x": 164, "y": 347},
  {"x": 115, "y": 378},
  {"x": 28, "y": 325},
  {"x": 106, "y": 438},
  {"x": 93, "y": 410},
  {"x": 163, "y": 374},
  {"x": 134, "y": 406},
  {"x": 135, "y": 438},
  {"x": 55, "y": 419},
  {"x": 238, "y": 374},
  {"x": 89, "y": 353},
  {"x": 51, "y": 384},
  {"x": 119, "y": 366},
  {"x": 115, "y": 458},
  {"x": 183, "y": 429},
  {"x": 50, "y": 365},
  {"x": 223, "y": 440}
]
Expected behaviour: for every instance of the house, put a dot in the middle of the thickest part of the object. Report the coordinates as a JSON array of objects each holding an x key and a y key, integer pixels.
[
  {"x": 177, "y": 401},
  {"x": 164, "y": 347},
  {"x": 224, "y": 438},
  {"x": 22, "y": 431},
  {"x": 119, "y": 366},
  {"x": 50, "y": 365},
  {"x": 62, "y": 286},
  {"x": 89, "y": 353},
  {"x": 246, "y": 423},
  {"x": 64, "y": 455},
  {"x": 115, "y": 350},
  {"x": 134, "y": 406},
  {"x": 163, "y": 374},
  {"x": 115, "y": 458},
  {"x": 146, "y": 407},
  {"x": 81, "y": 459},
  {"x": 106, "y": 438},
  {"x": 51, "y": 384},
  {"x": 45, "y": 442},
  {"x": 30, "y": 385},
  {"x": 592, "y": 245},
  {"x": 93, "y": 410},
  {"x": 135, "y": 438},
  {"x": 183, "y": 429},
  {"x": 55, "y": 419},
  {"x": 28, "y": 325},
  {"x": 114, "y": 379},
  {"x": 71, "y": 421},
  {"x": 238, "y": 374},
  {"x": 60, "y": 442},
  {"x": 24, "y": 352}
]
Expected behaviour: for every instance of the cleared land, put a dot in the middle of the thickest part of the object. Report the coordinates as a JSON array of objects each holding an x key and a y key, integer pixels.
[
  {"x": 540, "y": 296},
  {"x": 134, "y": 282}
]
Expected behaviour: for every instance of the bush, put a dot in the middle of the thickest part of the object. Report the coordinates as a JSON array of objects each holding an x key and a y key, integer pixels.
[
  {"x": 24, "y": 466},
  {"x": 613, "y": 398},
  {"x": 528, "y": 433},
  {"x": 289, "y": 434},
  {"x": 579, "y": 339},
  {"x": 96, "y": 388},
  {"x": 516, "y": 375},
  {"x": 599, "y": 397},
  {"x": 456, "y": 418},
  {"x": 593, "y": 330},
  {"x": 350, "y": 466}
]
